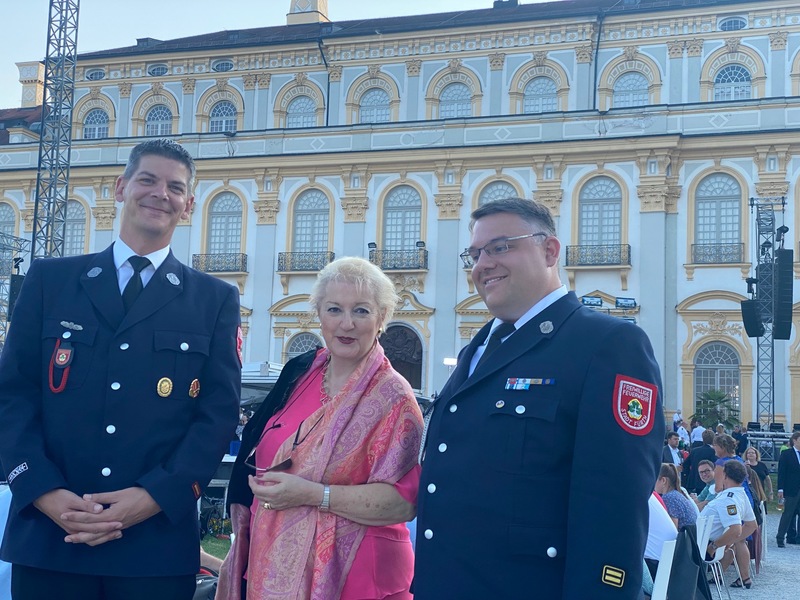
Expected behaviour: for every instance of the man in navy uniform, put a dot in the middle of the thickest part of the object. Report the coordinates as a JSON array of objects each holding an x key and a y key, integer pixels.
[
  {"x": 119, "y": 392},
  {"x": 544, "y": 445}
]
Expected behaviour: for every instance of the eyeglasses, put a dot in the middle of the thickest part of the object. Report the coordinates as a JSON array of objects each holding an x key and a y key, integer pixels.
[
  {"x": 706, "y": 472},
  {"x": 494, "y": 248},
  {"x": 284, "y": 465}
]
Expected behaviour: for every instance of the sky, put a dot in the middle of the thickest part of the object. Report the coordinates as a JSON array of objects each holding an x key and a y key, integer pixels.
[{"x": 104, "y": 24}]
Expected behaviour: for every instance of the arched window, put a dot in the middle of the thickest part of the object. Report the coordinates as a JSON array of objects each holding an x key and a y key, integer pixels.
[
  {"x": 733, "y": 82},
  {"x": 717, "y": 226},
  {"x": 403, "y": 348},
  {"x": 222, "y": 65},
  {"x": 374, "y": 107},
  {"x": 716, "y": 367},
  {"x": 225, "y": 225},
  {"x": 600, "y": 212},
  {"x": 630, "y": 89},
  {"x": 540, "y": 96},
  {"x": 733, "y": 24},
  {"x": 302, "y": 343},
  {"x": 158, "y": 121},
  {"x": 301, "y": 112},
  {"x": 157, "y": 70},
  {"x": 75, "y": 229},
  {"x": 8, "y": 219},
  {"x": 402, "y": 218},
  {"x": 311, "y": 218},
  {"x": 455, "y": 101},
  {"x": 95, "y": 125},
  {"x": 497, "y": 190},
  {"x": 222, "y": 117}
]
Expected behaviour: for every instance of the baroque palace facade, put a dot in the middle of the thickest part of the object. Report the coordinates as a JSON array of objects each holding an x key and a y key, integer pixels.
[{"x": 646, "y": 127}]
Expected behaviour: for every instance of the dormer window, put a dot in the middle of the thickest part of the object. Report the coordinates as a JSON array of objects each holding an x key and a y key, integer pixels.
[
  {"x": 733, "y": 24},
  {"x": 157, "y": 70},
  {"x": 95, "y": 74},
  {"x": 222, "y": 65}
]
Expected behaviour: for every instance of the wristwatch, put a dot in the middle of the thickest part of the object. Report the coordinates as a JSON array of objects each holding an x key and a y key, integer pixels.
[{"x": 325, "y": 505}]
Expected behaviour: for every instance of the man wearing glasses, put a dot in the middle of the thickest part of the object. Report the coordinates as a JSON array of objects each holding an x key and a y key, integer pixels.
[{"x": 516, "y": 468}]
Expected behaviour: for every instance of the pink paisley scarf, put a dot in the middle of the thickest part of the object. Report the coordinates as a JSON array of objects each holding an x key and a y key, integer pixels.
[{"x": 369, "y": 433}]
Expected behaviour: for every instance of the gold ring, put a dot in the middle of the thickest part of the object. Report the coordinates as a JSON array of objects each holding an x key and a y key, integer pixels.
[{"x": 267, "y": 506}]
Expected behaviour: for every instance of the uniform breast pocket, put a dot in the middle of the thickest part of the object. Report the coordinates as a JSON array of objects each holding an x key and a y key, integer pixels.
[
  {"x": 181, "y": 356},
  {"x": 71, "y": 346},
  {"x": 521, "y": 422}
]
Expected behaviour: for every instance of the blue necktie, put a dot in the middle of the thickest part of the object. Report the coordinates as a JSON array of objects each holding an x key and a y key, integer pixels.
[
  {"x": 495, "y": 340},
  {"x": 134, "y": 287}
]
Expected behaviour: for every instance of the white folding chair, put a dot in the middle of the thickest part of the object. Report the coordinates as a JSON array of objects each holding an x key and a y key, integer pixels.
[
  {"x": 664, "y": 569},
  {"x": 764, "y": 544},
  {"x": 703, "y": 535}
]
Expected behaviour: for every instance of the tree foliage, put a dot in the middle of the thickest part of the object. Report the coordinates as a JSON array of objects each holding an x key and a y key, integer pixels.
[{"x": 714, "y": 407}]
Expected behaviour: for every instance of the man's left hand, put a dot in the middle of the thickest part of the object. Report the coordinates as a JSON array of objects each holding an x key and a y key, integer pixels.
[{"x": 129, "y": 507}]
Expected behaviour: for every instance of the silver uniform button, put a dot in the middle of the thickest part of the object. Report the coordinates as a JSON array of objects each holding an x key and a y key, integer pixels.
[
  {"x": 184, "y": 346},
  {"x": 66, "y": 335},
  {"x": 453, "y": 408},
  {"x": 499, "y": 404},
  {"x": 442, "y": 447},
  {"x": 111, "y": 429},
  {"x": 106, "y": 472},
  {"x": 428, "y": 534},
  {"x": 124, "y": 346},
  {"x": 115, "y": 386},
  {"x": 552, "y": 552},
  {"x": 431, "y": 488},
  {"x": 520, "y": 409}
]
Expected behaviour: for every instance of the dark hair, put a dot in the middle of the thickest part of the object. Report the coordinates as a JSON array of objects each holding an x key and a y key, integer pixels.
[
  {"x": 670, "y": 435},
  {"x": 726, "y": 442},
  {"x": 530, "y": 211},
  {"x": 705, "y": 461},
  {"x": 164, "y": 148},
  {"x": 708, "y": 436},
  {"x": 735, "y": 471},
  {"x": 795, "y": 435},
  {"x": 670, "y": 471}
]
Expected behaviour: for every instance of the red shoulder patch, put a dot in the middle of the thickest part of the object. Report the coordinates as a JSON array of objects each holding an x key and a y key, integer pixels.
[
  {"x": 239, "y": 344},
  {"x": 634, "y": 404}
]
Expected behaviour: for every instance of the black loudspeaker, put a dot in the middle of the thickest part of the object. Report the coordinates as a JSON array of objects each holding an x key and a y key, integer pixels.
[
  {"x": 751, "y": 316},
  {"x": 13, "y": 292},
  {"x": 776, "y": 428},
  {"x": 753, "y": 426},
  {"x": 782, "y": 321}
]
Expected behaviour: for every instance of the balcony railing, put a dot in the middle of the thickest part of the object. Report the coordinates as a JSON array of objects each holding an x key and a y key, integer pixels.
[
  {"x": 220, "y": 263},
  {"x": 399, "y": 260},
  {"x": 587, "y": 256},
  {"x": 303, "y": 261},
  {"x": 717, "y": 254}
]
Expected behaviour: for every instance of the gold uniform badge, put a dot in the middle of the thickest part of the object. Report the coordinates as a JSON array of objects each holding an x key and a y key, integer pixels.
[
  {"x": 613, "y": 576},
  {"x": 164, "y": 387}
]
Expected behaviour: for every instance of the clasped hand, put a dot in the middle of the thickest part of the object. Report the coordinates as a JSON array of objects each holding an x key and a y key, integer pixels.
[
  {"x": 284, "y": 490},
  {"x": 95, "y": 519}
]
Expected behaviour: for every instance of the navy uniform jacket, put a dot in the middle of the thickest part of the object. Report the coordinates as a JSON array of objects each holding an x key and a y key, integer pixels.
[
  {"x": 540, "y": 491},
  {"x": 109, "y": 428}
]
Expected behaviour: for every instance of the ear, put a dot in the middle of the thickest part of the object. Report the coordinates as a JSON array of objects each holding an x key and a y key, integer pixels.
[
  {"x": 552, "y": 250},
  {"x": 187, "y": 211},
  {"x": 119, "y": 188}
]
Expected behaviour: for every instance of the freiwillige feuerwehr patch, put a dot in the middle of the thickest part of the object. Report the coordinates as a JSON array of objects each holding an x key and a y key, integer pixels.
[{"x": 634, "y": 404}]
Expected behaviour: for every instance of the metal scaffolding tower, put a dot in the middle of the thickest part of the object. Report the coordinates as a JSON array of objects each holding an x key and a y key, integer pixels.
[
  {"x": 55, "y": 143},
  {"x": 765, "y": 209},
  {"x": 11, "y": 247}
]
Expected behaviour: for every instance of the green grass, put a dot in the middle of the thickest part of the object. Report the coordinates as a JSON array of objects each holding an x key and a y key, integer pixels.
[{"x": 216, "y": 547}]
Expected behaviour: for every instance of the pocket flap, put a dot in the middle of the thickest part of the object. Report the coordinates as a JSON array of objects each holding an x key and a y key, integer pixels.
[
  {"x": 182, "y": 342},
  {"x": 53, "y": 328}
]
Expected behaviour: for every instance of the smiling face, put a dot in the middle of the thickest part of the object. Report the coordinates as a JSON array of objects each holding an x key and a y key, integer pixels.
[
  {"x": 750, "y": 455},
  {"x": 154, "y": 199},
  {"x": 350, "y": 320},
  {"x": 512, "y": 282},
  {"x": 706, "y": 473}
]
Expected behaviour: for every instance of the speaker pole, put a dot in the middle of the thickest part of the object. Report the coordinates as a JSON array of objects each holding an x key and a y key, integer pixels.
[{"x": 11, "y": 249}]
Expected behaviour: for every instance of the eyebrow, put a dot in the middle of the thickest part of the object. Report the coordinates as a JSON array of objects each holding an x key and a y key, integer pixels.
[{"x": 497, "y": 239}]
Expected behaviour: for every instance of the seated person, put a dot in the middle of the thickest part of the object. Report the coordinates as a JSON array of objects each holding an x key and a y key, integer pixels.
[
  {"x": 705, "y": 469},
  {"x": 679, "y": 506},
  {"x": 660, "y": 529},
  {"x": 732, "y": 520}
]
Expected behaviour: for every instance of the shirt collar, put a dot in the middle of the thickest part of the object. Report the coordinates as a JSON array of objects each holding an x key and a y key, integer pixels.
[
  {"x": 551, "y": 298},
  {"x": 122, "y": 252}
]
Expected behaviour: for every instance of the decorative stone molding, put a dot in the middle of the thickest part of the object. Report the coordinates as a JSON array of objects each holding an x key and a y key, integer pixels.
[
  {"x": 335, "y": 73},
  {"x": 249, "y": 81},
  {"x": 449, "y": 205},
  {"x": 266, "y": 211},
  {"x": 454, "y": 65},
  {"x": 675, "y": 49},
  {"x": 125, "y": 90},
  {"x": 694, "y": 47},
  {"x": 630, "y": 52},
  {"x": 355, "y": 209},
  {"x": 584, "y": 53},
  {"x": 777, "y": 40},
  {"x": 717, "y": 324},
  {"x": 413, "y": 67},
  {"x": 104, "y": 215},
  {"x": 94, "y": 93},
  {"x": 263, "y": 80},
  {"x": 27, "y": 218},
  {"x": 222, "y": 83},
  {"x": 188, "y": 84},
  {"x": 300, "y": 78},
  {"x": 281, "y": 332},
  {"x": 373, "y": 70},
  {"x": 653, "y": 198},
  {"x": 551, "y": 198},
  {"x": 772, "y": 189},
  {"x": 539, "y": 59},
  {"x": 497, "y": 61},
  {"x": 157, "y": 87},
  {"x": 732, "y": 45},
  {"x": 408, "y": 282}
]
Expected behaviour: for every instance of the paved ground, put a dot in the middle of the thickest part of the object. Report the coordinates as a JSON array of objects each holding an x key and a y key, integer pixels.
[{"x": 780, "y": 572}]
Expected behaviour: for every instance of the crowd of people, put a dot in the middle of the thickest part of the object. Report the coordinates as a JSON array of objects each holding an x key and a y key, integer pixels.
[{"x": 119, "y": 394}]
